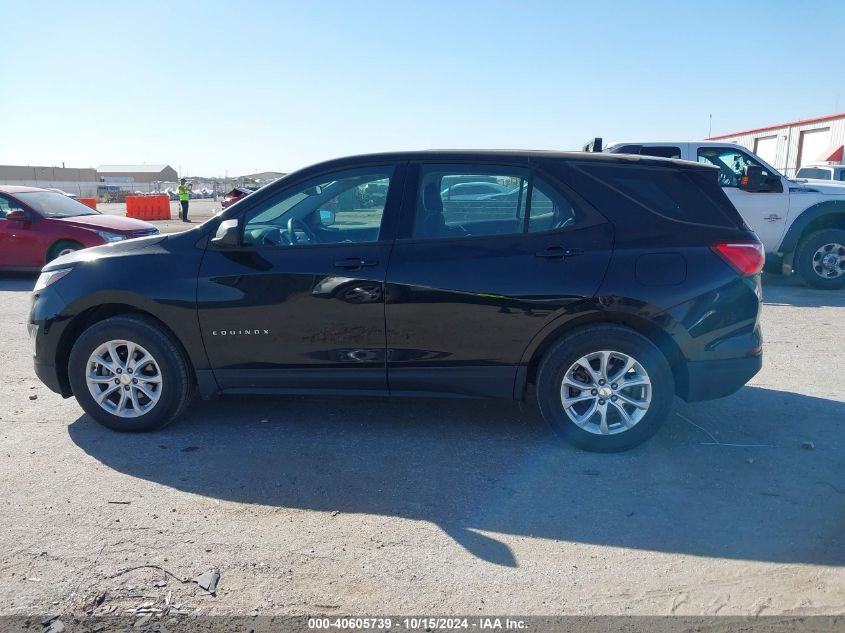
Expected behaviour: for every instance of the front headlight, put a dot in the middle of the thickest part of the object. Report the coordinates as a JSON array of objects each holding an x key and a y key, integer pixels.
[
  {"x": 111, "y": 237},
  {"x": 50, "y": 277}
]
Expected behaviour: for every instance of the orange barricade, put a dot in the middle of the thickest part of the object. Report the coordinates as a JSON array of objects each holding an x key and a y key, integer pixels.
[
  {"x": 88, "y": 202},
  {"x": 148, "y": 207}
]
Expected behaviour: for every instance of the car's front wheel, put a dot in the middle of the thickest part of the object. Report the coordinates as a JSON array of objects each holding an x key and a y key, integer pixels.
[
  {"x": 129, "y": 375},
  {"x": 821, "y": 259},
  {"x": 62, "y": 247},
  {"x": 605, "y": 388}
]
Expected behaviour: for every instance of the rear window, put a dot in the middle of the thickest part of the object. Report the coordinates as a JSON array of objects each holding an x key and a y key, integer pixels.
[
  {"x": 666, "y": 151},
  {"x": 814, "y": 172},
  {"x": 689, "y": 196},
  {"x": 661, "y": 151}
]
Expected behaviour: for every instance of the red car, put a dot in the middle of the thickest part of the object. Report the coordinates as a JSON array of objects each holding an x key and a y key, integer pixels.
[
  {"x": 37, "y": 225},
  {"x": 234, "y": 195}
]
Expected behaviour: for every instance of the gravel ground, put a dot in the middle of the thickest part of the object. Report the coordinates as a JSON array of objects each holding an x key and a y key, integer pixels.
[
  {"x": 355, "y": 506},
  {"x": 198, "y": 211}
]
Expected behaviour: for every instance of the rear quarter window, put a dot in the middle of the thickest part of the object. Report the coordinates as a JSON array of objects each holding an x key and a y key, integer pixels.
[{"x": 688, "y": 196}]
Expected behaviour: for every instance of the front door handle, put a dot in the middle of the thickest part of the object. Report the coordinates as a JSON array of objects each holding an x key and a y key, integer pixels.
[
  {"x": 558, "y": 252},
  {"x": 352, "y": 263}
]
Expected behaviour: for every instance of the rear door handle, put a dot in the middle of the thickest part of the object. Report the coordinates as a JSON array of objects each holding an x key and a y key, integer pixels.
[
  {"x": 351, "y": 263},
  {"x": 558, "y": 252}
]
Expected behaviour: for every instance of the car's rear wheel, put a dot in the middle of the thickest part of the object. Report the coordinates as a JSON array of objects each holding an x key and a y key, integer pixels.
[
  {"x": 62, "y": 247},
  {"x": 821, "y": 259},
  {"x": 129, "y": 375},
  {"x": 605, "y": 388}
]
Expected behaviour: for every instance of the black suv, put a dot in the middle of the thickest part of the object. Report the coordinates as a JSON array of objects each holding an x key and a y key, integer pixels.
[{"x": 610, "y": 283}]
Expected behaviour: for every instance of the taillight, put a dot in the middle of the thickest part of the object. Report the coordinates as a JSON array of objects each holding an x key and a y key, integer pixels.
[{"x": 747, "y": 258}]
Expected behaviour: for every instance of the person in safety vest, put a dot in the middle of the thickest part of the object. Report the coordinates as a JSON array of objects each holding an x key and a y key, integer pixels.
[{"x": 184, "y": 197}]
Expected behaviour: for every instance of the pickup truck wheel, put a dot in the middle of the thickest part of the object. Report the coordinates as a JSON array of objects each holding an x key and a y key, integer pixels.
[
  {"x": 821, "y": 259},
  {"x": 605, "y": 388},
  {"x": 129, "y": 375}
]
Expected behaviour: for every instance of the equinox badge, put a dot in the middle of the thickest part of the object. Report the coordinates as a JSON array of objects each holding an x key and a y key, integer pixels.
[{"x": 257, "y": 332}]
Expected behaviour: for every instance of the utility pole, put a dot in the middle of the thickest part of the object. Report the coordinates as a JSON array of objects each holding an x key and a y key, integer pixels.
[{"x": 710, "y": 129}]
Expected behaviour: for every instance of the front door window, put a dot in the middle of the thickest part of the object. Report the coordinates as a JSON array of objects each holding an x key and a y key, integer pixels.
[
  {"x": 339, "y": 208},
  {"x": 7, "y": 205},
  {"x": 731, "y": 163}
]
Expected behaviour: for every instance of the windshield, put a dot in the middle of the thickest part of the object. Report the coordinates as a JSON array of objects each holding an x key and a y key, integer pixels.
[{"x": 54, "y": 205}]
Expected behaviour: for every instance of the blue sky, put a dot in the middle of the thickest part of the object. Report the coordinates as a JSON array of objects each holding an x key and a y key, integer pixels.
[{"x": 246, "y": 86}]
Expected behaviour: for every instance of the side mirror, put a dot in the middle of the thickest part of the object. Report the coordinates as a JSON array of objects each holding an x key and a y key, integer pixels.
[
  {"x": 17, "y": 215},
  {"x": 227, "y": 235},
  {"x": 753, "y": 179},
  {"x": 327, "y": 217}
]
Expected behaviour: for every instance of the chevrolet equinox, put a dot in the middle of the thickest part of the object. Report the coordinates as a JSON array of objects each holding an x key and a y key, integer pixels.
[{"x": 605, "y": 284}]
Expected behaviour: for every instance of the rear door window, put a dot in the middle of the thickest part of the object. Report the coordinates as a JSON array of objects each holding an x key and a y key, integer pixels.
[
  {"x": 457, "y": 201},
  {"x": 465, "y": 201},
  {"x": 550, "y": 210}
]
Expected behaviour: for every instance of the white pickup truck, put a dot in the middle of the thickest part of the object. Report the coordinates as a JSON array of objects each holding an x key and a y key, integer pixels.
[{"x": 801, "y": 225}]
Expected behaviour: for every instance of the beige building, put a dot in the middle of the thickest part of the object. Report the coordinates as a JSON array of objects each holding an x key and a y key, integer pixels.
[
  {"x": 121, "y": 174},
  {"x": 79, "y": 182}
]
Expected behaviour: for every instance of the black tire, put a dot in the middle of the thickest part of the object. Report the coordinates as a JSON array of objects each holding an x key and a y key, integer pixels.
[
  {"x": 595, "y": 338},
  {"x": 807, "y": 267},
  {"x": 177, "y": 382},
  {"x": 62, "y": 245}
]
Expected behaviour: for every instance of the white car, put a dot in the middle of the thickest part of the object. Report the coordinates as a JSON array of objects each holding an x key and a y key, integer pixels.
[
  {"x": 64, "y": 193},
  {"x": 801, "y": 224},
  {"x": 822, "y": 172},
  {"x": 473, "y": 190}
]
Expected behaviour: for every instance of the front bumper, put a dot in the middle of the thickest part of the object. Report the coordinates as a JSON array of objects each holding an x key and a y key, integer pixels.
[
  {"x": 710, "y": 379},
  {"x": 46, "y": 325},
  {"x": 50, "y": 377}
]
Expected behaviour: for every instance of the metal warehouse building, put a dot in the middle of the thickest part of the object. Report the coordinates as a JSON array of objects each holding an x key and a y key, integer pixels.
[{"x": 788, "y": 146}]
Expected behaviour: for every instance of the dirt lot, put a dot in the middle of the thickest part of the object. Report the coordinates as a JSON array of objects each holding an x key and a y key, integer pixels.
[
  {"x": 198, "y": 211},
  {"x": 357, "y": 506}
]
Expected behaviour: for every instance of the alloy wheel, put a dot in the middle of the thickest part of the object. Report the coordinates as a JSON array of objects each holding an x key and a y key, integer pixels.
[
  {"x": 606, "y": 392},
  {"x": 123, "y": 378}
]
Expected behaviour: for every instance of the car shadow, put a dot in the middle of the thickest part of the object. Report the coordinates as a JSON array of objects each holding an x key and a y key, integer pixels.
[
  {"x": 17, "y": 282},
  {"x": 792, "y": 291},
  {"x": 481, "y": 467}
]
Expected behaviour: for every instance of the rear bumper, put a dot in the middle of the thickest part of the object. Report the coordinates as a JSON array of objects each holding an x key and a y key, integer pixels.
[{"x": 710, "y": 379}]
